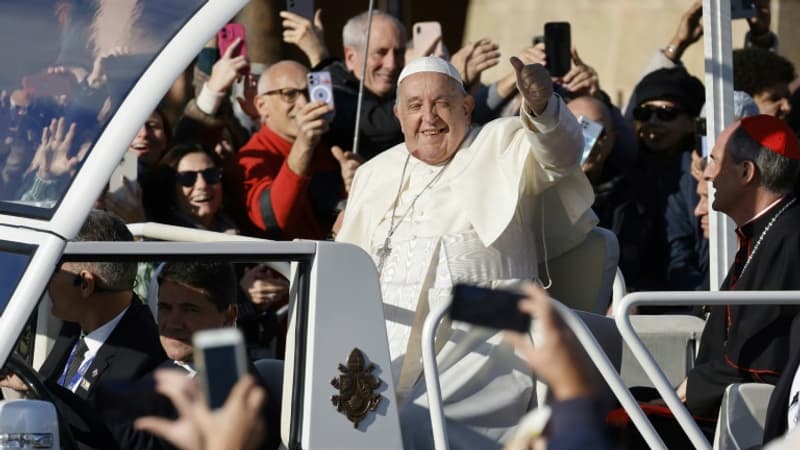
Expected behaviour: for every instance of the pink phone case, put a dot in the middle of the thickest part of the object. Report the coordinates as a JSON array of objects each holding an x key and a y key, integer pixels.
[{"x": 227, "y": 35}]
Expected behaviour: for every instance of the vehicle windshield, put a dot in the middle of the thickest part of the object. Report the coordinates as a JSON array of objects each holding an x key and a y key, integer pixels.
[
  {"x": 67, "y": 66},
  {"x": 14, "y": 259}
]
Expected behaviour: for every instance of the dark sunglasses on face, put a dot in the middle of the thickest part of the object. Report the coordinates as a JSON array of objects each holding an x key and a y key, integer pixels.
[
  {"x": 663, "y": 113},
  {"x": 187, "y": 178}
]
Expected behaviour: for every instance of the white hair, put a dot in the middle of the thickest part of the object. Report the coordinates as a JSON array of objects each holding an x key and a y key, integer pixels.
[{"x": 354, "y": 33}]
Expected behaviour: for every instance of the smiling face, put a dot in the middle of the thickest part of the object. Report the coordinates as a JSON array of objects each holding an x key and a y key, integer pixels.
[
  {"x": 282, "y": 94},
  {"x": 385, "y": 58},
  {"x": 182, "y": 311},
  {"x": 665, "y": 133},
  {"x": 150, "y": 140},
  {"x": 434, "y": 113},
  {"x": 203, "y": 199}
]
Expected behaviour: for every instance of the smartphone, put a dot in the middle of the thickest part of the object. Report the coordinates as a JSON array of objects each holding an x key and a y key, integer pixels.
[
  {"x": 303, "y": 8},
  {"x": 220, "y": 360},
  {"x": 558, "y": 48},
  {"x": 227, "y": 35},
  {"x": 48, "y": 84},
  {"x": 492, "y": 308},
  {"x": 743, "y": 9},
  {"x": 700, "y": 140},
  {"x": 428, "y": 38},
  {"x": 591, "y": 132},
  {"x": 128, "y": 168},
  {"x": 320, "y": 88}
]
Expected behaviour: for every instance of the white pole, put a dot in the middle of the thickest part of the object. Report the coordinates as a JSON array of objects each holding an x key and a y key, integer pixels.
[{"x": 719, "y": 113}]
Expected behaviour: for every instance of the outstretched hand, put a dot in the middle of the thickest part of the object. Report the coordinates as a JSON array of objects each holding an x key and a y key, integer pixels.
[
  {"x": 534, "y": 83},
  {"x": 237, "y": 424},
  {"x": 582, "y": 78},
  {"x": 558, "y": 359},
  {"x": 349, "y": 163},
  {"x": 52, "y": 158},
  {"x": 228, "y": 68},
  {"x": 690, "y": 30},
  {"x": 474, "y": 58},
  {"x": 307, "y": 35}
]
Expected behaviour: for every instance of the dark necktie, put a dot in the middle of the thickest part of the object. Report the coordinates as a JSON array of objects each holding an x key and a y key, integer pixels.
[{"x": 75, "y": 362}]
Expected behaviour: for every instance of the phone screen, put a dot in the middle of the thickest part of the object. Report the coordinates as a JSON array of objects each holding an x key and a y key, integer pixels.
[
  {"x": 558, "y": 46},
  {"x": 743, "y": 9},
  {"x": 303, "y": 8},
  {"x": 219, "y": 365},
  {"x": 591, "y": 132},
  {"x": 489, "y": 308},
  {"x": 700, "y": 140}
]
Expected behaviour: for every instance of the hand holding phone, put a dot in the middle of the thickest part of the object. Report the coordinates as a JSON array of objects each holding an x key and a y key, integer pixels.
[
  {"x": 226, "y": 37},
  {"x": 492, "y": 308},
  {"x": 220, "y": 359},
  {"x": 304, "y": 8},
  {"x": 127, "y": 168},
  {"x": 427, "y": 38},
  {"x": 320, "y": 89},
  {"x": 558, "y": 46},
  {"x": 591, "y": 132}
]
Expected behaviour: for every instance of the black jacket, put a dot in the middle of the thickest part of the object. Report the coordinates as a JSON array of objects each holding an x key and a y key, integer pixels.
[
  {"x": 379, "y": 128},
  {"x": 750, "y": 343},
  {"x": 131, "y": 350}
]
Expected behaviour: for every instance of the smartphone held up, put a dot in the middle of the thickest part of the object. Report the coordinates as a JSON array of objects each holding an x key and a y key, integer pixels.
[
  {"x": 320, "y": 89},
  {"x": 558, "y": 48},
  {"x": 304, "y": 8},
  {"x": 221, "y": 360},
  {"x": 493, "y": 308},
  {"x": 427, "y": 38},
  {"x": 228, "y": 35}
]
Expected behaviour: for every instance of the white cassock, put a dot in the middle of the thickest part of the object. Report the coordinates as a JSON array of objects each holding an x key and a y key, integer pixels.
[{"x": 479, "y": 222}]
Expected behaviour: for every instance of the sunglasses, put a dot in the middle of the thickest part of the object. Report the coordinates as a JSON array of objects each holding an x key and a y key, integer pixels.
[
  {"x": 664, "y": 113},
  {"x": 212, "y": 175}
]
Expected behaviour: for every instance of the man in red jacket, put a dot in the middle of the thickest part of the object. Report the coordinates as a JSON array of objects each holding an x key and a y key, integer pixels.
[{"x": 288, "y": 182}]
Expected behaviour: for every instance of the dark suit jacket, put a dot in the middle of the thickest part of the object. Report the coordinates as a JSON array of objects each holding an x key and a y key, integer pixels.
[
  {"x": 778, "y": 408},
  {"x": 132, "y": 349}
]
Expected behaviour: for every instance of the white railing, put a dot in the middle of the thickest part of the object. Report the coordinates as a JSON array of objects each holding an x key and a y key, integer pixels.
[
  {"x": 645, "y": 358},
  {"x": 586, "y": 339}
]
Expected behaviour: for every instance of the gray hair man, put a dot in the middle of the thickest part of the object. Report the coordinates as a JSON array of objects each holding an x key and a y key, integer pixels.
[{"x": 453, "y": 204}]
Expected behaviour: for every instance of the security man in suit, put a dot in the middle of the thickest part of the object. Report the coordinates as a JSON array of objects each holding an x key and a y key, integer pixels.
[{"x": 108, "y": 333}]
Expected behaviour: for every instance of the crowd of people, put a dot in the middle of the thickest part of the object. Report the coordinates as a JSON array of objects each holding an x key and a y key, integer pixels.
[{"x": 453, "y": 181}]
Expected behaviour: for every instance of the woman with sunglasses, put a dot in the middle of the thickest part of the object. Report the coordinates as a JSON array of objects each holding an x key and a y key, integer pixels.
[
  {"x": 667, "y": 103},
  {"x": 191, "y": 178}
]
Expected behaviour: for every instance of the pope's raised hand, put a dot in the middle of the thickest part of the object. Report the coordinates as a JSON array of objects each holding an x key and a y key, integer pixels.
[{"x": 534, "y": 83}]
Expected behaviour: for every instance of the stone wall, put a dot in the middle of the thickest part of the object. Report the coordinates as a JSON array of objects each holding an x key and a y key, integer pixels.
[{"x": 616, "y": 37}]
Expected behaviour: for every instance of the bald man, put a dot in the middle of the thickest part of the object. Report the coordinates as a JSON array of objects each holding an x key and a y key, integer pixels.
[{"x": 288, "y": 183}]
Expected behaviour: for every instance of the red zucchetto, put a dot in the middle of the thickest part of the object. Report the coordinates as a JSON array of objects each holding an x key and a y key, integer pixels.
[{"x": 772, "y": 133}]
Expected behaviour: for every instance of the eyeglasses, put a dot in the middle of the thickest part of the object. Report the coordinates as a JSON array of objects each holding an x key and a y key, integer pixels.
[
  {"x": 664, "y": 113},
  {"x": 289, "y": 95},
  {"x": 188, "y": 178}
]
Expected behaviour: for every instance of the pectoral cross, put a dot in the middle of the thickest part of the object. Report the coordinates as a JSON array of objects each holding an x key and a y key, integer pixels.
[{"x": 384, "y": 253}]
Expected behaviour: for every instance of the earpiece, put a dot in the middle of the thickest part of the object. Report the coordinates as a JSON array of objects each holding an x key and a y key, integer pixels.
[{"x": 77, "y": 280}]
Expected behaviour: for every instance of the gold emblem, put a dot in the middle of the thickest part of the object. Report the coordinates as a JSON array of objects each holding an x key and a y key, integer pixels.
[{"x": 356, "y": 386}]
